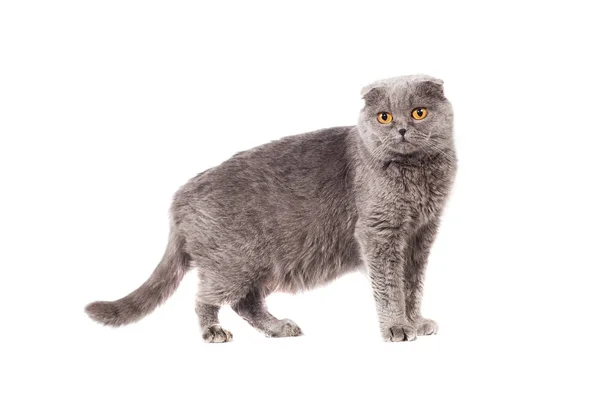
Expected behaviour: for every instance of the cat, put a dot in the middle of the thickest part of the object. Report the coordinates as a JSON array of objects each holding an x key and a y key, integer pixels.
[{"x": 301, "y": 211}]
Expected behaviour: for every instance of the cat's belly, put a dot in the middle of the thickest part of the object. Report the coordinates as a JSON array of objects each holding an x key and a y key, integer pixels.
[{"x": 315, "y": 263}]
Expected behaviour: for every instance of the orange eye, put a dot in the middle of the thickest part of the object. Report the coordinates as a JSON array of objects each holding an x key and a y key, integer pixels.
[
  {"x": 384, "y": 118},
  {"x": 419, "y": 113}
]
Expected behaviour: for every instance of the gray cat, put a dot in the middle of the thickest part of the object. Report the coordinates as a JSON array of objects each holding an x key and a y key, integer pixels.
[{"x": 301, "y": 211}]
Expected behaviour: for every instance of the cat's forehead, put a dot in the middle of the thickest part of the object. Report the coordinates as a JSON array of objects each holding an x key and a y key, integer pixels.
[{"x": 401, "y": 88}]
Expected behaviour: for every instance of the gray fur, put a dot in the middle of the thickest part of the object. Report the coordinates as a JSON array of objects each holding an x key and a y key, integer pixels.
[{"x": 301, "y": 211}]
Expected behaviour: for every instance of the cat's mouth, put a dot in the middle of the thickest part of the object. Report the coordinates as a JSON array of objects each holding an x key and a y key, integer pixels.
[{"x": 404, "y": 147}]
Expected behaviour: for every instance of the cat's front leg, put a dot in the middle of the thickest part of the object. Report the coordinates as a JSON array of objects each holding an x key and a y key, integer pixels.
[
  {"x": 383, "y": 249},
  {"x": 417, "y": 253}
]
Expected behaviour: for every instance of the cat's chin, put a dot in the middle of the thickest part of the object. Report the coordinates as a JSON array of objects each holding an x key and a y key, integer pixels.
[{"x": 404, "y": 149}]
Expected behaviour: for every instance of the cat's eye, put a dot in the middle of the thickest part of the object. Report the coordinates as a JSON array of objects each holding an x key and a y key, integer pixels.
[
  {"x": 419, "y": 113},
  {"x": 384, "y": 118}
]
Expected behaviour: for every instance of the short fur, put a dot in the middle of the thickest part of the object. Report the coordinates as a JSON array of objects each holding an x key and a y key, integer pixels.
[{"x": 301, "y": 211}]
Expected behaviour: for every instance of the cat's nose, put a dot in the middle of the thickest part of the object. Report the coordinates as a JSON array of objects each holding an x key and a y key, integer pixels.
[{"x": 402, "y": 131}]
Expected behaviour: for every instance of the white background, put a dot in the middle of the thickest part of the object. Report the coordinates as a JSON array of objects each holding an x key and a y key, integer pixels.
[{"x": 106, "y": 108}]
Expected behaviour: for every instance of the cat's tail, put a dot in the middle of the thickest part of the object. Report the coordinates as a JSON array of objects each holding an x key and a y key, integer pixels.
[{"x": 158, "y": 288}]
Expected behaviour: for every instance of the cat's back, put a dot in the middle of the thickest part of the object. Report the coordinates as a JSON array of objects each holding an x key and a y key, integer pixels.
[
  {"x": 293, "y": 158},
  {"x": 295, "y": 171}
]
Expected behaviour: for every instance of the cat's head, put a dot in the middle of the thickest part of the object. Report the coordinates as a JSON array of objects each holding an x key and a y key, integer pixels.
[{"x": 405, "y": 115}]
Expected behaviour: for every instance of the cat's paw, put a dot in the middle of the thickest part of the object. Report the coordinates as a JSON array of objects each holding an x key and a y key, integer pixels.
[
  {"x": 427, "y": 327},
  {"x": 284, "y": 328},
  {"x": 216, "y": 334},
  {"x": 400, "y": 333}
]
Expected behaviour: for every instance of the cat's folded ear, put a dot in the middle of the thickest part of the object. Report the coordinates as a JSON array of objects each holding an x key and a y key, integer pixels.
[
  {"x": 432, "y": 87},
  {"x": 372, "y": 93}
]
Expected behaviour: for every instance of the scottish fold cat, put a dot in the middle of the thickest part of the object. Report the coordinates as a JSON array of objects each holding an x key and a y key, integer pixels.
[{"x": 301, "y": 211}]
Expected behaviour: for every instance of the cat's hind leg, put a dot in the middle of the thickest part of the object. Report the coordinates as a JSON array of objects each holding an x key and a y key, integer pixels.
[
  {"x": 253, "y": 309},
  {"x": 212, "y": 332}
]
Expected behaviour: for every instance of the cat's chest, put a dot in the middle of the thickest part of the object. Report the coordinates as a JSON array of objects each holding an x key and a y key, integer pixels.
[{"x": 414, "y": 194}]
